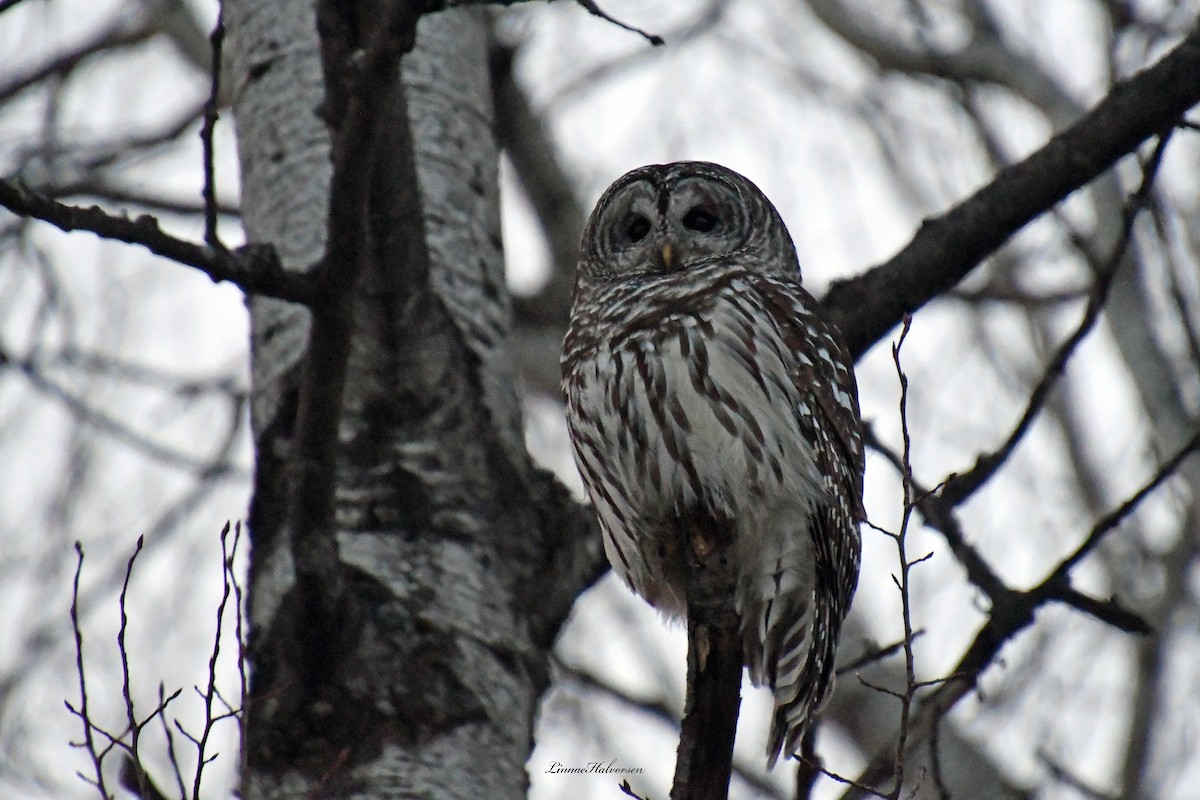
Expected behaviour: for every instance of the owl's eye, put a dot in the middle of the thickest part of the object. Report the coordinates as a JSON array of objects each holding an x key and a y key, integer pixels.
[
  {"x": 700, "y": 220},
  {"x": 636, "y": 227}
]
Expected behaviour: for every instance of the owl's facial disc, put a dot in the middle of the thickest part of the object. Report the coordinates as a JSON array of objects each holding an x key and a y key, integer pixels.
[
  {"x": 671, "y": 218},
  {"x": 672, "y": 226}
]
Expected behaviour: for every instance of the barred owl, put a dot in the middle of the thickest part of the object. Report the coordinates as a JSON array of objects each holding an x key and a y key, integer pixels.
[{"x": 700, "y": 379}]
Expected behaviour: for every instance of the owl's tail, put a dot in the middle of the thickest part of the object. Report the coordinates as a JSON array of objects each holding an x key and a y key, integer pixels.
[{"x": 803, "y": 678}]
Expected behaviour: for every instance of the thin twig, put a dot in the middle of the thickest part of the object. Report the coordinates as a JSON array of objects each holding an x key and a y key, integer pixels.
[
  {"x": 902, "y": 582},
  {"x": 240, "y": 634},
  {"x": 217, "y": 38},
  {"x": 89, "y": 741},
  {"x": 942, "y": 519},
  {"x": 169, "y": 735},
  {"x": 591, "y": 7},
  {"x": 1016, "y": 296},
  {"x": 135, "y": 729},
  {"x": 875, "y": 654},
  {"x": 862, "y": 788},
  {"x": 100, "y": 189},
  {"x": 133, "y": 775},
  {"x": 227, "y": 555}
]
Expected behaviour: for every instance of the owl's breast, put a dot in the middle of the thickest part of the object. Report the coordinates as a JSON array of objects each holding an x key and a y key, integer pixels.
[{"x": 698, "y": 416}]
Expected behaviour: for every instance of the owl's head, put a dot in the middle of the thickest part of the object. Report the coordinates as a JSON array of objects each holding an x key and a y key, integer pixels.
[{"x": 666, "y": 218}]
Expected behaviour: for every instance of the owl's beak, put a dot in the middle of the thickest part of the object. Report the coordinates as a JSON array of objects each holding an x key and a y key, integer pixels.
[{"x": 668, "y": 258}]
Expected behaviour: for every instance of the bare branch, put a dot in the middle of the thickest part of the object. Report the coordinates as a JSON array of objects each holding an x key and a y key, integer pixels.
[
  {"x": 876, "y": 654},
  {"x": 99, "y": 188},
  {"x": 254, "y": 268},
  {"x": 1009, "y": 616},
  {"x": 941, "y": 518},
  {"x": 948, "y": 247},
  {"x": 1118, "y": 514},
  {"x": 228, "y": 553},
  {"x": 658, "y": 709},
  {"x": 169, "y": 736},
  {"x": 902, "y": 580},
  {"x": 1017, "y": 297},
  {"x": 116, "y": 36},
  {"x": 957, "y": 488},
  {"x": 133, "y": 775},
  {"x": 114, "y": 427}
]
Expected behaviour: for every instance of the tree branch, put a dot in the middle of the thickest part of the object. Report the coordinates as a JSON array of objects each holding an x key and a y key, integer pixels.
[
  {"x": 357, "y": 79},
  {"x": 254, "y": 268},
  {"x": 714, "y": 681},
  {"x": 957, "y": 488},
  {"x": 940, "y": 517},
  {"x": 985, "y": 57},
  {"x": 1118, "y": 515},
  {"x": 537, "y": 165},
  {"x": 206, "y": 135},
  {"x": 114, "y": 37},
  {"x": 1012, "y": 614},
  {"x": 946, "y": 248}
]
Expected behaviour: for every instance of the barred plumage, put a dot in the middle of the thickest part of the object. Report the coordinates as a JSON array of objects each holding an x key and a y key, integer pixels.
[{"x": 700, "y": 381}]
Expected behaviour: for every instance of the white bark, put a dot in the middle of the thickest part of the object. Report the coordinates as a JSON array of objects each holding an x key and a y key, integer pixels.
[
  {"x": 284, "y": 155},
  {"x": 432, "y": 695}
]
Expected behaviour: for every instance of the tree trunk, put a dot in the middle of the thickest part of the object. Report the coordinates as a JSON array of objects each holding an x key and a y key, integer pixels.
[{"x": 425, "y": 680}]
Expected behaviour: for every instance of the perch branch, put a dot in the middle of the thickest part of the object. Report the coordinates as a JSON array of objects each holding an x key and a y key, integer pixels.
[{"x": 714, "y": 681}]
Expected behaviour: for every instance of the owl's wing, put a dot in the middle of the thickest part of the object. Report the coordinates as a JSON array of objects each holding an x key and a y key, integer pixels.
[
  {"x": 828, "y": 414},
  {"x": 826, "y": 408}
]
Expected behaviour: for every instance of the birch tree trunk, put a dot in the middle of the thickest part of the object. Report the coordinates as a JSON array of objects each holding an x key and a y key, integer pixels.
[{"x": 427, "y": 683}]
